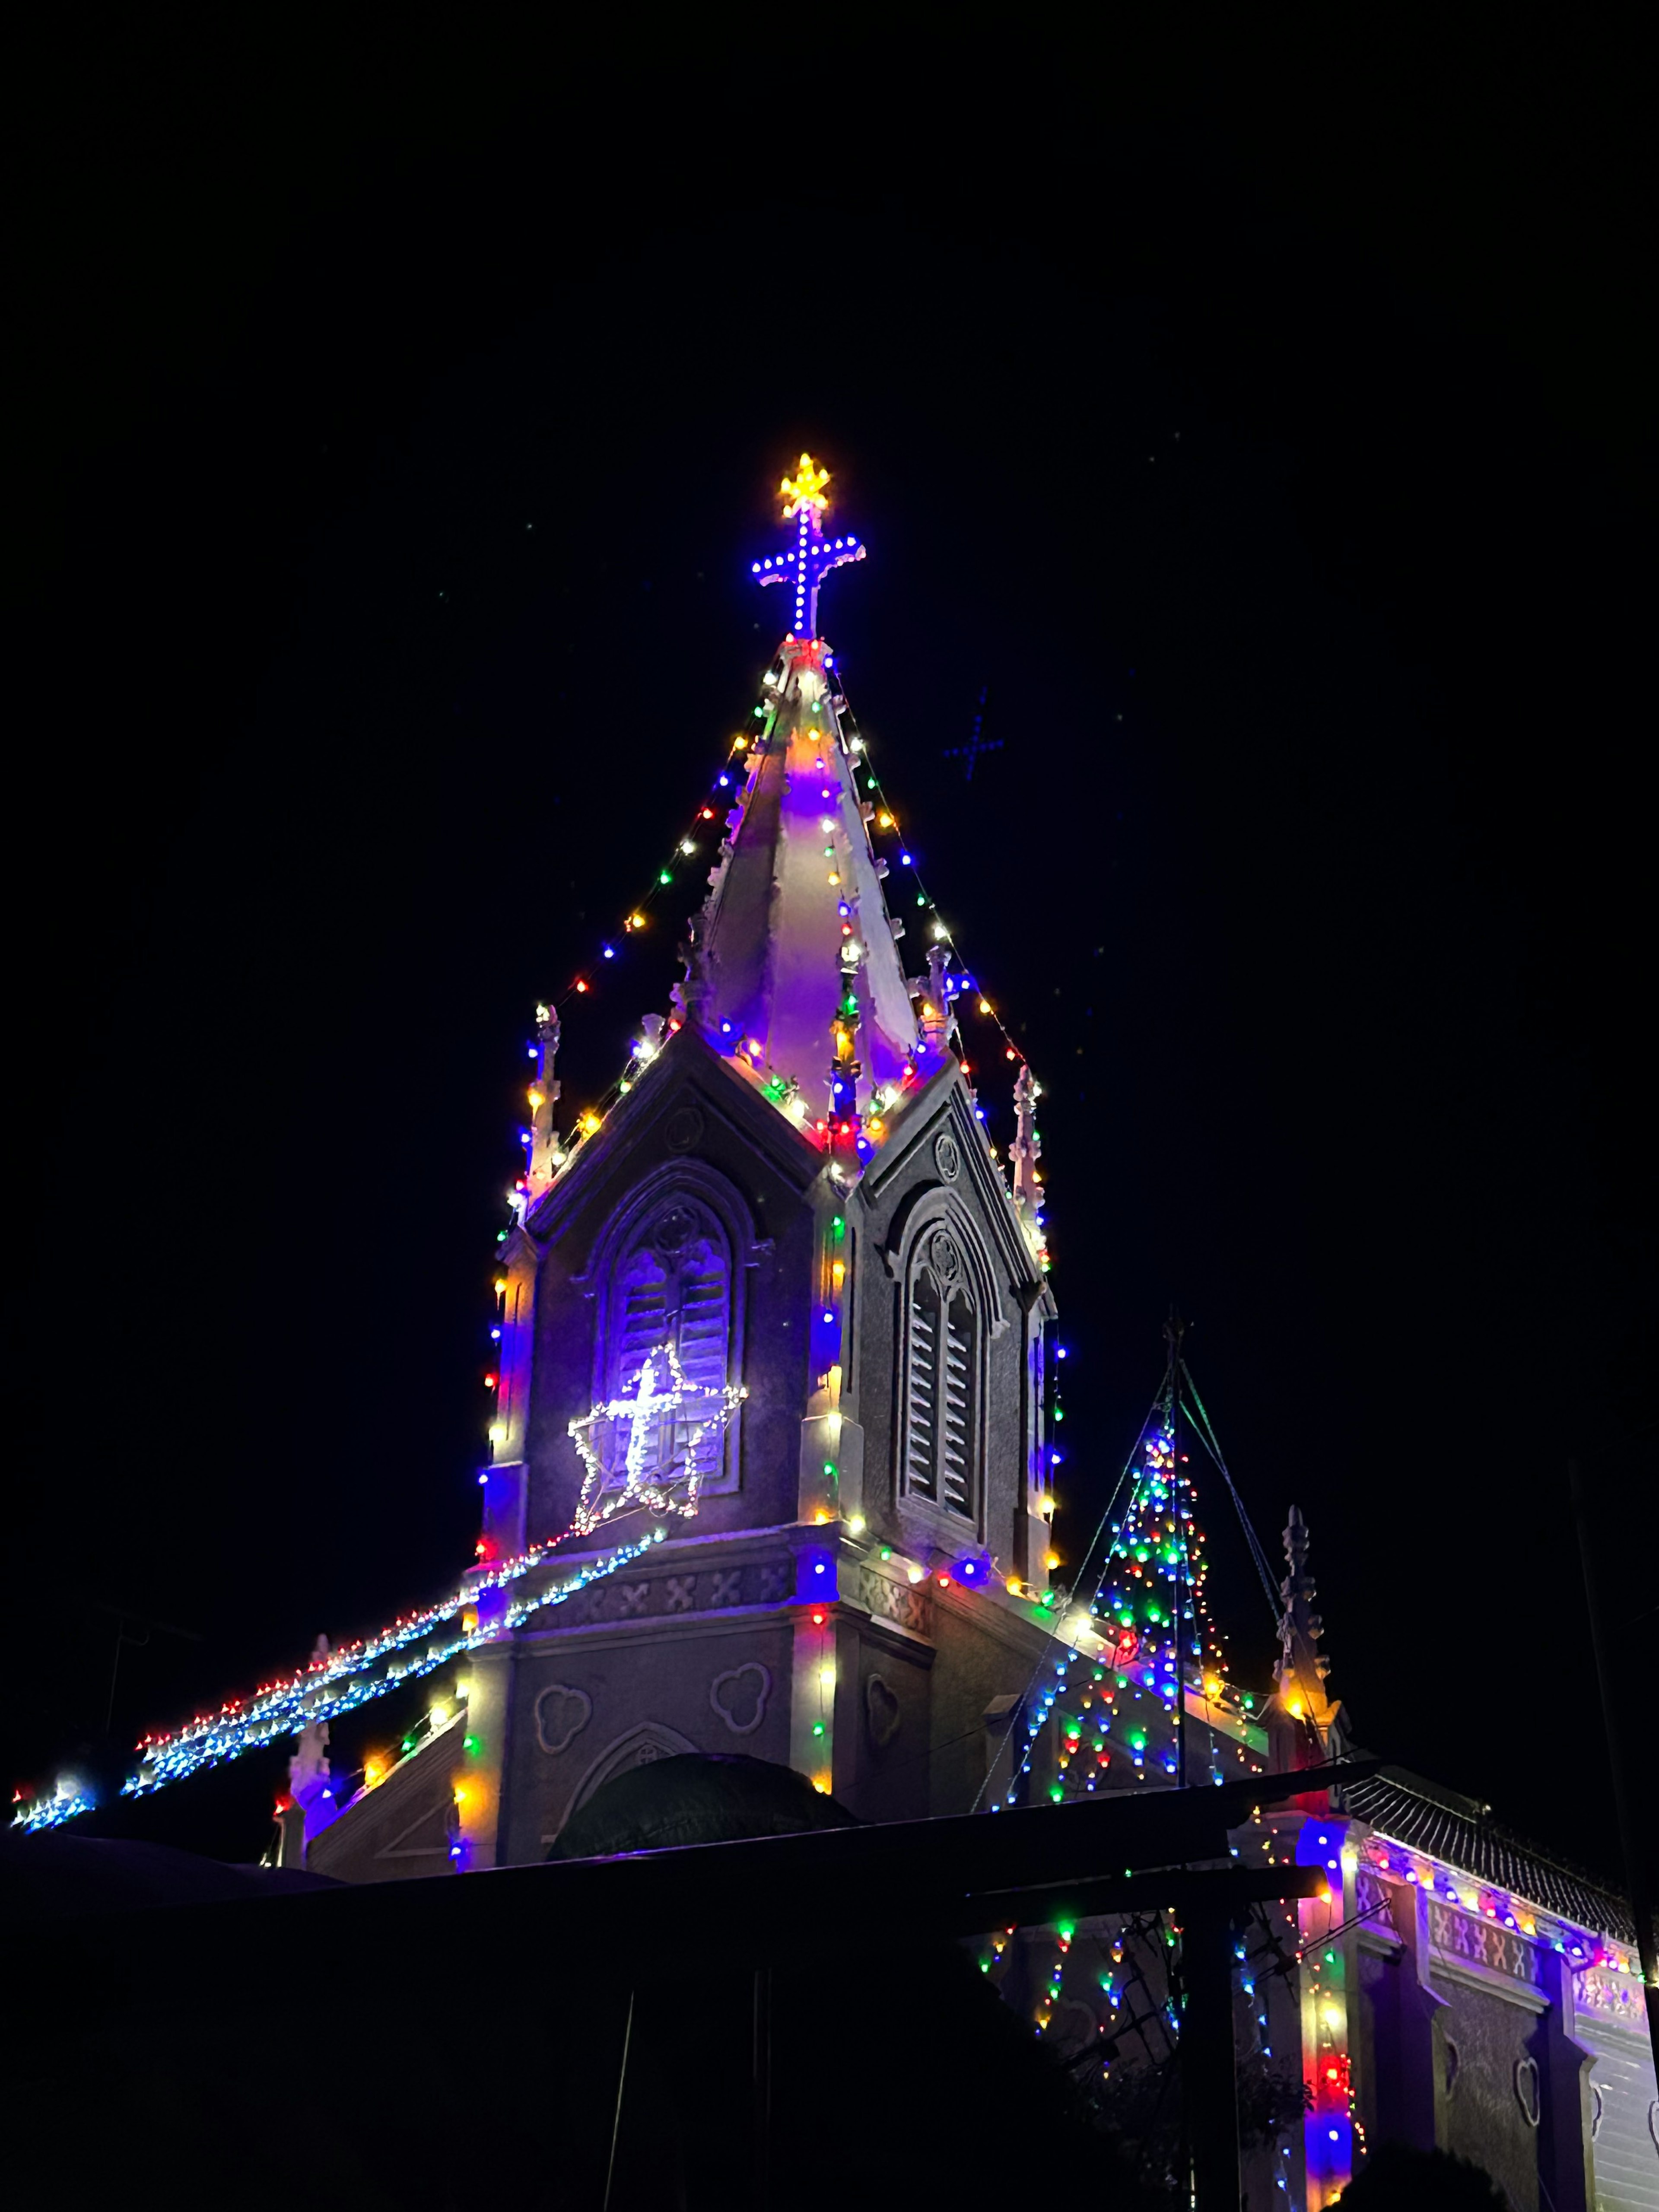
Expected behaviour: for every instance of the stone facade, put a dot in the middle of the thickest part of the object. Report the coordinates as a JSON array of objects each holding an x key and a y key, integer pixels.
[{"x": 831, "y": 1604}]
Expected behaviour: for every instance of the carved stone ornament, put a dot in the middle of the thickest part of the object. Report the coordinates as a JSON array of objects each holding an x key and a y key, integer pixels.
[
  {"x": 562, "y": 1713},
  {"x": 683, "y": 1129},
  {"x": 945, "y": 1256},
  {"x": 946, "y": 1158},
  {"x": 1526, "y": 2089},
  {"x": 902, "y": 1603},
  {"x": 739, "y": 1696},
  {"x": 881, "y": 1708},
  {"x": 673, "y": 1232}
]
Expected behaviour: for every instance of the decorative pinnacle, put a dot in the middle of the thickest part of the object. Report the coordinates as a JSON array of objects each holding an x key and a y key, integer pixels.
[{"x": 804, "y": 490}]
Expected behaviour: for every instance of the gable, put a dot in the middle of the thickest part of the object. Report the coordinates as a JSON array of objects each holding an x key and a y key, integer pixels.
[
  {"x": 692, "y": 1104},
  {"x": 944, "y": 1108}
]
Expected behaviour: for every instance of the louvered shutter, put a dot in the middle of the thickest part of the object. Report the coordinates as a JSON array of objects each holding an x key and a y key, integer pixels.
[
  {"x": 642, "y": 1323},
  {"x": 703, "y": 1335},
  {"x": 682, "y": 1297},
  {"x": 642, "y": 1327},
  {"x": 921, "y": 1387},
  {"x": 957, "y": 1408}
]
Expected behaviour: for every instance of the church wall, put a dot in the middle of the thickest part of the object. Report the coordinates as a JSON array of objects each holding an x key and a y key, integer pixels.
[
  {"x": 1482, "y": 2044},
  {"x": 691, "y": 1142},
  {"x": 883, "y": 1732},
  {"x": 591, "y": 1703},
  {"x": 984, "y": 1654},
  {"x": 1622, "y": 2115}
]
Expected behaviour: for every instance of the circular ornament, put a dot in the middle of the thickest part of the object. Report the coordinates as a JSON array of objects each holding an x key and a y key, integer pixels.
[
  {"x": 946, "y": 1158},
  {"x": 683, "y": 1127},
  {"x": 944, "y": 1255}
]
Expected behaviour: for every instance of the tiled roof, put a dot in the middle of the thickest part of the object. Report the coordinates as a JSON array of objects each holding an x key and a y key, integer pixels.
[{"x": 1457, "y": 1829}]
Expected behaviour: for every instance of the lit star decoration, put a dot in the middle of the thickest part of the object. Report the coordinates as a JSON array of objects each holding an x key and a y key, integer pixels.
[
  {"x": 814, "y": 554},
  {"x": 708, "y": 1408}
]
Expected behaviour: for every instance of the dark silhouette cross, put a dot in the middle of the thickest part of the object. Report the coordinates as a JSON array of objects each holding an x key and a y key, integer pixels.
[{"x": 975, "y": 745}]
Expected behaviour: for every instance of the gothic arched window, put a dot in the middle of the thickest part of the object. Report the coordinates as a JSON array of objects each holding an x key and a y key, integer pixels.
[
  {"x": 943, "y": 1358},
  {"x": 671, "y": 1285}
]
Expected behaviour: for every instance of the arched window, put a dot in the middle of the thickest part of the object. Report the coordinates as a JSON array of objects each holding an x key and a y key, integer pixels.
[
  {"x": 670, "y": 1284},
  {"x": 942, "y": 1376}
]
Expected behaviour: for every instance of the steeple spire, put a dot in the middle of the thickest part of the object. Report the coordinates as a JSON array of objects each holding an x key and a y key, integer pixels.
[{"x": 793, "y": 965}]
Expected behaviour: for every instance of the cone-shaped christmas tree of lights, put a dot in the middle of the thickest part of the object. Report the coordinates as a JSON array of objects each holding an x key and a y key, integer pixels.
[{"x": 1127, "y": 1714}]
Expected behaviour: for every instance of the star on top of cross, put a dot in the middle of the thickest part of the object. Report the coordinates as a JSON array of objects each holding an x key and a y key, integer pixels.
[{"x": 813, "y": 555}]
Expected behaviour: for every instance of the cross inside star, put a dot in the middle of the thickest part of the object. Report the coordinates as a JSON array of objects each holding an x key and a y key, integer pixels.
[
  {"x": 813, "y": 555},
  {"x": 674, "y": 1427}
]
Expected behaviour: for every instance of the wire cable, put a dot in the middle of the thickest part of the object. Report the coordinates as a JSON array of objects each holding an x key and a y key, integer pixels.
[
  {"x": 1054, "y": 1632},
  {"x": 1206, "y": 1436}
]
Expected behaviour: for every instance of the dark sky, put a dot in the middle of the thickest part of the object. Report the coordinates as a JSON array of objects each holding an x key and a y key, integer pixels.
[{"x": 393, "y": 426}]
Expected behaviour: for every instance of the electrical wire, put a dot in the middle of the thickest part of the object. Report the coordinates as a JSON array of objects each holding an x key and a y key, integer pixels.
[
  {"x": 1206, "y": 1436},
  {"x": 1053, "y": 1633}
]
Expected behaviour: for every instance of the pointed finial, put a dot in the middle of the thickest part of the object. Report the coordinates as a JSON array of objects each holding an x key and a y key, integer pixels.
[
  {"x": 545, "y": 1155},
  {"x": 938, "y": 1015},
  {"x": 694, "y": 995},
  {"x": 1301, "y": 1665},
  {"x": 1027, "y": 1147}
]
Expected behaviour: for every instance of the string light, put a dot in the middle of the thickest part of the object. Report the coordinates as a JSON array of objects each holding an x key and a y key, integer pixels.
[{"x": 341, "y": 1682}]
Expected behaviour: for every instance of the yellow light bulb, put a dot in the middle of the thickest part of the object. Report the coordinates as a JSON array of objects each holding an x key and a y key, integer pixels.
[
  {"x": 1051, "y": 1560},
  {"x": 984, "y": 1006},
  {"x": 1013, "y": 1585}
]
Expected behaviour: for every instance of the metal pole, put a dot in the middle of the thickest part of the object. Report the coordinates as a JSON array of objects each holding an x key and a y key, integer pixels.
[
  {"x": 1209, "y": 2093},
  {"x": 615, "y": 2117},
  {"x": 1641, "y": 1901}
]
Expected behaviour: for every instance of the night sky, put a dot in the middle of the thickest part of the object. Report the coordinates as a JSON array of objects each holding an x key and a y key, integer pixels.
[{"x": 1263, "y": 430}]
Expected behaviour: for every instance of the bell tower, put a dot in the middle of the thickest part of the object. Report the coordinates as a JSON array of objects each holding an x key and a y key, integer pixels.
[{"x": 779, "y": 1312}]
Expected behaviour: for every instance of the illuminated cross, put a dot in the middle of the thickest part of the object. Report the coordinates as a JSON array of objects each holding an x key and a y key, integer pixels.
[
  {"x": 655, "y": 1405},
  {"x": 814, "y": 554}
]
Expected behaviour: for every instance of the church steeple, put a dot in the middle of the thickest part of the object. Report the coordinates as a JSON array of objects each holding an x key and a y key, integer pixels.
[{"x": 793, "y": 967}]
